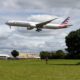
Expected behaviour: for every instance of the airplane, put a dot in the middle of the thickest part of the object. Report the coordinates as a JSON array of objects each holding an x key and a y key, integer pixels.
[{"x": 39, "y": 25}]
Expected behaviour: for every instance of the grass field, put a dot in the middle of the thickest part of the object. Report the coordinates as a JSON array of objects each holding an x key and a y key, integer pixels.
[{"x": 38, "y": 70}]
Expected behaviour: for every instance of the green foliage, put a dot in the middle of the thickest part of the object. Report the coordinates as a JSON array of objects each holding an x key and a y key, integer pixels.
[
  {"x": 15, "y": 53},
  {"x": 52, "y": 55},
  {"x": 60, "y": 54},
  {"x": 43, "y": 54},
  {"x": 73, "y": 44}
]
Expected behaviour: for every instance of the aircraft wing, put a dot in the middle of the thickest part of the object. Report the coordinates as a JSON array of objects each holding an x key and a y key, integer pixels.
[{"x": 40, "y": 25}]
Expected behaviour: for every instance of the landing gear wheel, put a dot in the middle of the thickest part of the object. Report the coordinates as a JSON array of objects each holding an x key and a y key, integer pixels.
[{"x": 38, "y": 30}]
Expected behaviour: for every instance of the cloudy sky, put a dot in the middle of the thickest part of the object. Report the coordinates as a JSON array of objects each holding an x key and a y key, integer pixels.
[{"x": 36, "y": 10}]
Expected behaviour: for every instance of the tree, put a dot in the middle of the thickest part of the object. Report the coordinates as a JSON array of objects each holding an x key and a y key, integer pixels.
[
  {"x": 73, "y": 43},
  {"x": 15, "y": 53},
  {"x": 60, "y": 54},
  {"x": 44, "y": 55},
  {"x": 52, "y": 55}
]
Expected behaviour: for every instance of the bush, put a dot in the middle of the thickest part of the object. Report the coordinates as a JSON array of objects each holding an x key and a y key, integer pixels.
[
  {"x": 52, "y": 55},
  {"x": 60, "y": 54},
  {"x": 15, "y": 53}
]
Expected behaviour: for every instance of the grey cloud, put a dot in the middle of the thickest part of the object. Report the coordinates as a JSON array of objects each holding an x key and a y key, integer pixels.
[
  {"x": 62, "y": 3},
  {"x": 38, "y": 4}
]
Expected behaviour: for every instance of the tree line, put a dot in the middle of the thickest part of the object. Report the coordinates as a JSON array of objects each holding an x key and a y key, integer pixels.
[{"x": 72, "y": 41}]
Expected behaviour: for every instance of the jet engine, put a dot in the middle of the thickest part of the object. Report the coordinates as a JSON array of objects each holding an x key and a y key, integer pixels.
[{"x": 29, "y": 27}]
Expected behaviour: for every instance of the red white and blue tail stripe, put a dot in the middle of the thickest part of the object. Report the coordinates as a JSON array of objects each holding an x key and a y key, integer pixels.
[{"x": 66, "y": 20}]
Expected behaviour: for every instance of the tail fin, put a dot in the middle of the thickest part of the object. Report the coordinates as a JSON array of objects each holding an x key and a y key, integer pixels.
[{"x": 66, "y": 21}]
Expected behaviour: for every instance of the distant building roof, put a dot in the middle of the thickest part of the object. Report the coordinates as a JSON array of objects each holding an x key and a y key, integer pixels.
[
  {"x": 27, "y": 55},
  {"x": 6, "y": 55}
]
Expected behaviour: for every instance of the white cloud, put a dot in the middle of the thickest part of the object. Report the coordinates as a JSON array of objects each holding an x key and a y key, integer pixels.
[{"x": 41, "y": 17}]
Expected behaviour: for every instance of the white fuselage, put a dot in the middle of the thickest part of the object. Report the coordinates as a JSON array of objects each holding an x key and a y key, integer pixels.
[{"x": 33, "y": 24}]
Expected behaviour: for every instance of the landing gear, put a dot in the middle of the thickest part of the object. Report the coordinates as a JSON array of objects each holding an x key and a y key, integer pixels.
[
  {"x": 10, "y": 27},
  {"x": 38, "y": 29}
]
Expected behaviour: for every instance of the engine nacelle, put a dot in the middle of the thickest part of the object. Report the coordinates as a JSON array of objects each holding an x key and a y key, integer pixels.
[{"x": 29, "y": 27}]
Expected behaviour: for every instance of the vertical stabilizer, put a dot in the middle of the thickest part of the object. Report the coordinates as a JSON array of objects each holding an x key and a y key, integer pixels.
[{"x": 66, "y": 20}]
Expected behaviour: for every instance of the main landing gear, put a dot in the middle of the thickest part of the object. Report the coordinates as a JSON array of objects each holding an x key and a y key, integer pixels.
[{"x": 38, "y": 29}]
